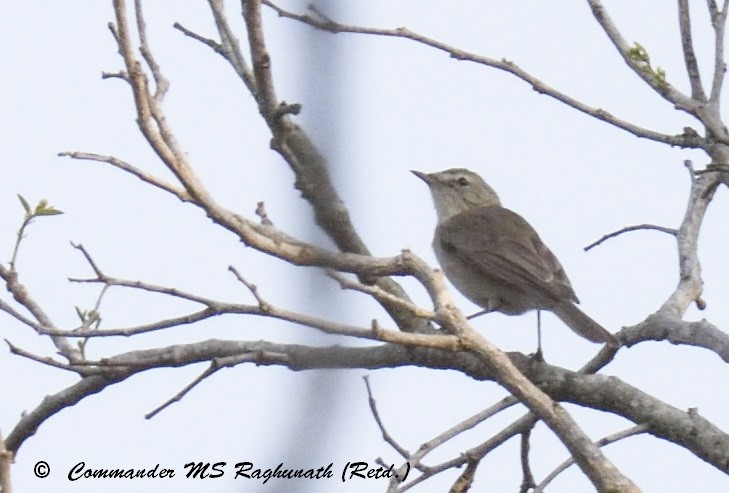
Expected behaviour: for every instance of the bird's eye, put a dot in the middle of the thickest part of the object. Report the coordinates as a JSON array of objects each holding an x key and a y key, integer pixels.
[{"x": 463, "y": 181}]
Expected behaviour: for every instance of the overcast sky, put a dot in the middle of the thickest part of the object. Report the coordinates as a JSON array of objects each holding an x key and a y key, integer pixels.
[{"x": 378, "y": 107}]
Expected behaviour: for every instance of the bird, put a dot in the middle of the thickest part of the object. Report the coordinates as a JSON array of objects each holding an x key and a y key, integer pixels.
[{"x": 496, "y": 259}]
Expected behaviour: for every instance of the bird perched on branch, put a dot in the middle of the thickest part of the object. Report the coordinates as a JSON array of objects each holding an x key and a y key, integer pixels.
[{"x": 496, "y": 259}]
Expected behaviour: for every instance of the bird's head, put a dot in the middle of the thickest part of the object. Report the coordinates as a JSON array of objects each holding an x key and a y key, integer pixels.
[{"x": 456, "y": 190}]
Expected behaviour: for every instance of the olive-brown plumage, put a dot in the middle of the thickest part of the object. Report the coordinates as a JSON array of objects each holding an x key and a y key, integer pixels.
[{"x": 496, "y": 259}]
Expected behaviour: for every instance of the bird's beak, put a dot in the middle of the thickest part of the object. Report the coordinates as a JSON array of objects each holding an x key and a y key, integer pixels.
[{"x": 423, "y": 176}]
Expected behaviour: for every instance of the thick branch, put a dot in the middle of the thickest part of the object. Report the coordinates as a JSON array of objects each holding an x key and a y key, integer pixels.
[
  {"x": 686, "y": 429},
  {"x": 690, "y": 284},
  {"x": 29, "y": 423},
  {"x": 595, "y": 391}
]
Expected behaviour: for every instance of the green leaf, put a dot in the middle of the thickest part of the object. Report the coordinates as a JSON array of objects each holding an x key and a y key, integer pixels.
[
  {"x": 48, "y": 211},
  {"x": 25, "y": 204}
]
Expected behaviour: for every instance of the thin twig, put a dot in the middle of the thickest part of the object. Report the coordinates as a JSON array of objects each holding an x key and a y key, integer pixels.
[
  {"x": 214, "y": 308},
  {"x": 380, "y": 294},
  {"x": 215, "y": 365},
  {"x": 261, "y": 212},
  {"x": 689, "y": 55},
  {"x": 718, "y": 22},
  {"x": 375, "y": 413},
  {"x": 263, "y": 304},
  {"x": 265, "y": 92},
  {"x": 41, "y": 359},
  {"x": 627, "y": 229},
  {"x": 231, "y": 46},
  {"x": 463, "y": 426},
  {"x": 477, "y": 452},
  {"x": 161, "y": 83},
  {"x": 180, "y": 193},
  {"x": 635, "y": 430},
  {"x": 214, "y": 45},
  {"x": 527, "y": 482}
]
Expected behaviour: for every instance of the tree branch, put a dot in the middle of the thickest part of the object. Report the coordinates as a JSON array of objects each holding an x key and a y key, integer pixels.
[
  {"x": 666, "y": 90},
  {"x": 21, "y": 295},
  {"x": 124, "y": 166},
  {"x": 718, "y": 22},
  {"x": 615, "y": 437},
  {"x": 595, "y": 391},
  {"x": 690, "y": 284},
  {"x": 627, "y": 229},
  {"x": 681, "y": 140},
  {"x": 689, "y": 55}
]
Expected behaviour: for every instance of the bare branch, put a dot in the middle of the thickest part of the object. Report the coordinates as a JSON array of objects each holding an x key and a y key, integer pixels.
[
  {"x": 150, "y": 117},
  {"x": 434, "y": 283},
  {"x": 19, "y": 316},
  {"x": 6, "y": 459},
  {"x": 385, "y": 435},
  {"x": 161, "y": 83},
  {"x": 124, "y": 166},
  {"x": 718, "y": 22},
  {"x": 51, "y": 404},
  {"x": 666, "y": 90},
  {"x": 596, "y": 391},
  {"x": 263, "y": 304},
  {"x": 635, "y": 430},
  {"x": 381, "y": 295},
  {"x": 329, "y": 25},
  {"x": 627, "y": 229},
  {"x": 690, "y": 431},
  {"x": 265, "y": 92},
  {"x": 288, "y": 139},
  {"x": 21, "y": 295},
  {"x": 217, "y": 364},
  {"x": 601, "y": 472},
  {"x": 527, "y": 482},
  {"x": 667, "y": 327},
  {"x": 463, "y": 426},
  {"x": 478, "y": 452},
  {"x": 214, "y": 45},
  {"x": 261, "y": 212},
  {"x": 689, "y": 55},
  {"x": 40, "y": 359},
  {"x": 690, "y": 284},
  {"x": 231, "y": 46},
  {"x": 465, "y": 480}
]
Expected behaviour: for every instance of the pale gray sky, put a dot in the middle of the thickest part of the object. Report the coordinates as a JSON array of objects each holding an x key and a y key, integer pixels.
[{"x": 398, "y": 106}]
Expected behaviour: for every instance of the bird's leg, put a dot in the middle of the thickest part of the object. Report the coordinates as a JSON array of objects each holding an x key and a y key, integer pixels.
[
  {"x": 491, "y": 306},
  {"x": 482, "y": 312},
  {"x": 539, "y": 356}
]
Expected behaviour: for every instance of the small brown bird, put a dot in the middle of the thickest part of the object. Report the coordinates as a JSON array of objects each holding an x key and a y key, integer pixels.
[{"x": 495, "y": 258}]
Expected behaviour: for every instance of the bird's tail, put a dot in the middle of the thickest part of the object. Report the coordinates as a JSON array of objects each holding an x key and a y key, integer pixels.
[{"x": 583, "y": 325}]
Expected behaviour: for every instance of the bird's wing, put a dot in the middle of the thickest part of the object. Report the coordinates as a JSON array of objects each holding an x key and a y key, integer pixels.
[{"x": 503, "y": 244}]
